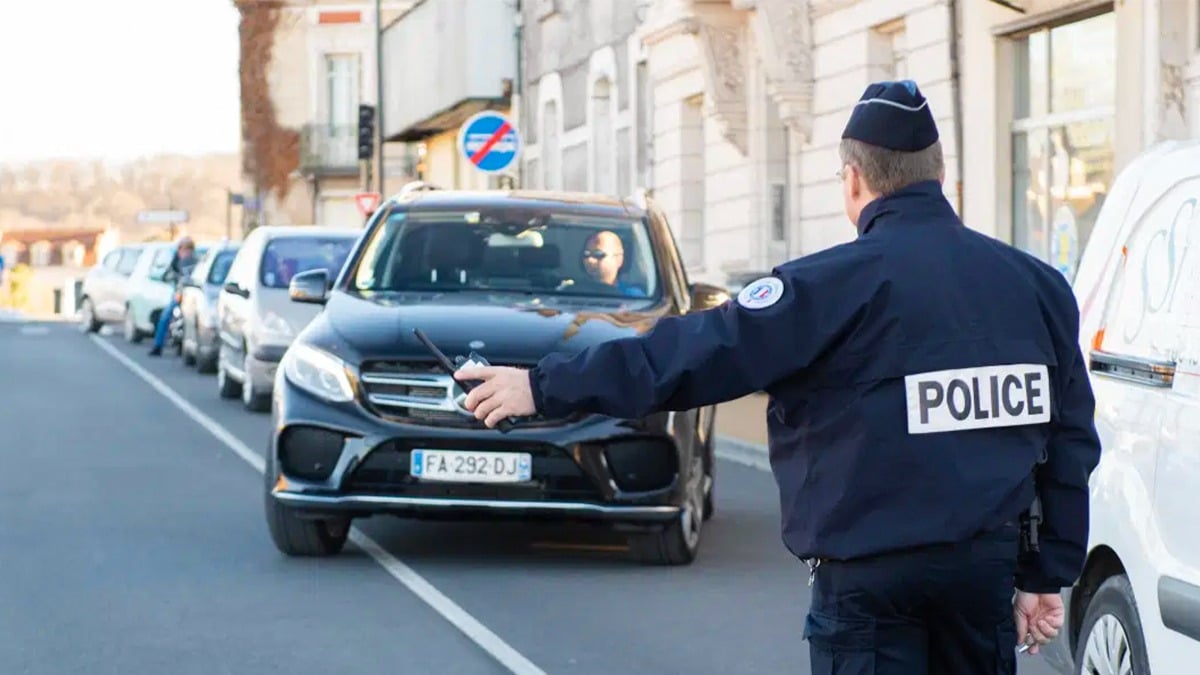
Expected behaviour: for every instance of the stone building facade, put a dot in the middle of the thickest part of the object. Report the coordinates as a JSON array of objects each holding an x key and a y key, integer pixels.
[
  {"x": 584, "y": 93},
  {"x": 750, "y": 97},
  {"x": 1059, "y": 96},
  {"x": 1047, "y": 100}
]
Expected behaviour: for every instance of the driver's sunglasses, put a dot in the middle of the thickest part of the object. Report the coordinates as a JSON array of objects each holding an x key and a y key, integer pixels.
[{"x": 595, "y": 254}]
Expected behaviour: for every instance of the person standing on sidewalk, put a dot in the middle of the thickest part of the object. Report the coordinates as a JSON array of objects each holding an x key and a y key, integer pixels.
[
  {"x": 926, "y": 384},
  {"x": 181, "y": 265}
]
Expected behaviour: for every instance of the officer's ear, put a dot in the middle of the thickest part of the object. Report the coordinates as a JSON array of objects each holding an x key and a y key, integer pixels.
[{"x": 856, "y": 185}]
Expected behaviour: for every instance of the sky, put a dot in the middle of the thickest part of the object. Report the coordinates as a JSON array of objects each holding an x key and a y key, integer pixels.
[{"x": 117, "y": 79}]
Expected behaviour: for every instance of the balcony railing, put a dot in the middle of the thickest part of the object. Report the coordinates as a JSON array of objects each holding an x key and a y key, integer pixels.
[{"x": 329, "y": 149}]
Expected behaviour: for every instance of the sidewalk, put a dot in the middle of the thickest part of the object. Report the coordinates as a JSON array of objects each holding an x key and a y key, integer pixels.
[{"x": 744, "y": 421}]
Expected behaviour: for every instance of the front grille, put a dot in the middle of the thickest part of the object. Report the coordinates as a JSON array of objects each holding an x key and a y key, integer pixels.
[
  {"x": 417, "y": 392},
  {"x": 556, "y": 477}
]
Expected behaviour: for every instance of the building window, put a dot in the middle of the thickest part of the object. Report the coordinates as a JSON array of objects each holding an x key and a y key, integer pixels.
[
  {"x": 340, "y": 101},
  {"x": 888, "y": 49},
  {"x": 1062, "y": 137},
  {"x": 39, "y": 254}
]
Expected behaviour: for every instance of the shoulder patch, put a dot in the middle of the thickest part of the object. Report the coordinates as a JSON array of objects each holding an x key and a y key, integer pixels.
[{"x": 761, "y": 293}]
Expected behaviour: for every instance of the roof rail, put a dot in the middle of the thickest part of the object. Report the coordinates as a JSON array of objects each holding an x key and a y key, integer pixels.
[{"x": 416, "y": 186}]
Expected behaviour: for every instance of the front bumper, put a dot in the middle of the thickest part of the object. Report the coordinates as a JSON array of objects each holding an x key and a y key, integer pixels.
[{"x": 330, "y": 458}]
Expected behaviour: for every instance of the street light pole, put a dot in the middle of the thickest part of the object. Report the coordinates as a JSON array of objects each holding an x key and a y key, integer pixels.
[{"x": 379, "y": 94}]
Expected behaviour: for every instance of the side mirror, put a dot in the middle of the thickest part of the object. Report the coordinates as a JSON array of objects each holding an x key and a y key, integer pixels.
[
  {"x": 707, "y": 296},
  {"x": 311, "y": 287},
  {"x": 234, "y": 288}
]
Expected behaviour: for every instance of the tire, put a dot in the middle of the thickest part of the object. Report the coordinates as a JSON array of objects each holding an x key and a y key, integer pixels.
[
  {"x": 206, "y": 365},
  {"x": 1111, "y": 632},
  {"x": 710, "y": 474},
  {"x": 189, "y": 358},
  {"x": 252, "y": 400},
  {"x": 295, "y": 536},
  {"x": 226, "y": 387},
  {"x": 87, "y": 317},
  {"x": 679, "y": 542},
  {"x": 130, "y": 329}
]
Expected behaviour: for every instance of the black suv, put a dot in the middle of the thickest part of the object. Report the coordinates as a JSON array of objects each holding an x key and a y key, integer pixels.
[{"x": 365, "y": 422}]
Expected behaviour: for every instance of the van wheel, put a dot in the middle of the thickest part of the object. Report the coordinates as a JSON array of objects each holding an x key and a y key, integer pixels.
[
  {"x": 87, "y": 317},
  {"x": 252, "y": 399},
  {"x": 132, "y": 334},
  {"x": 1110, "y": 639}
]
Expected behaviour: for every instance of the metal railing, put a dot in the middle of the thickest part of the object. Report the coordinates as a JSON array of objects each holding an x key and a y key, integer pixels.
[{"x": 329, "y": 148}]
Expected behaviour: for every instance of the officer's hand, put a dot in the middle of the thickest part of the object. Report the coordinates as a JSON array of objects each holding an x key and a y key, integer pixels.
[
  {"x": 1039, "y": 616},
  {"x": 504, "y": 392}
]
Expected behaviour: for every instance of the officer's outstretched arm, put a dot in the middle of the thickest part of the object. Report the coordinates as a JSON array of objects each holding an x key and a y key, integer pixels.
[
  {"x": 776, "y": 327},
  {"x": 1072, "y": 453}
]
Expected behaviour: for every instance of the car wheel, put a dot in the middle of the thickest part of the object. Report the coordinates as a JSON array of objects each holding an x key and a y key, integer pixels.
[
  {"x": 252, "y": 399},
  {"x": 206, "y": 364},
  {"x": 226, "y": 386},
  {"x": 132, "y": 334},
  {"x": 710, "y": 477},
  {"x": 1110, "y": 639},
  {"x": 679, "y": 542},
  {"x": 189, "y": 356},
  {"x": 87, "y": 317},
  {"x": 296, "y": 536}
]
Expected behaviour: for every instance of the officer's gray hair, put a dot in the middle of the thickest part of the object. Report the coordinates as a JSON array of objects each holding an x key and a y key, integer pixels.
[{"x": 886, "y": 171}]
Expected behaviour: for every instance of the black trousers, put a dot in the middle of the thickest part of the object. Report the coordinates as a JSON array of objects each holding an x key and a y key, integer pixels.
[{"x": 941, "y": 610}]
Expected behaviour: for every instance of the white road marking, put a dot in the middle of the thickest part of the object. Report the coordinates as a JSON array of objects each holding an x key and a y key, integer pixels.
[{"x": 471, "y": 627}]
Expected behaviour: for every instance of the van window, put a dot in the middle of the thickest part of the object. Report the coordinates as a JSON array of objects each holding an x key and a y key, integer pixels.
[
  {"x": 1153, "y": 309},
  {"x": 286, "y": 257}
]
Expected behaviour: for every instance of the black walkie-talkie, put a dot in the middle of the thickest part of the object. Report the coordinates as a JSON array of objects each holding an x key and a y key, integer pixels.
[{"x": 506, "y": 424}]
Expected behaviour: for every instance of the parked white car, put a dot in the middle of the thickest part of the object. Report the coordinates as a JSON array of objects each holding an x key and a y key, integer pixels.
[
  {"x": 1136, "y": 608},
  {"x": 256, "y": 318}
]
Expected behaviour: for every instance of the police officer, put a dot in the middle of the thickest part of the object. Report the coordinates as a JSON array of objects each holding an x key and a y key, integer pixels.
[{"x": 925, "y": 384}]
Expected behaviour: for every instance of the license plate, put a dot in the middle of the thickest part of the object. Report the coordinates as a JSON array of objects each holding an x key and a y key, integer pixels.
[{"x": 471, "y": 467}]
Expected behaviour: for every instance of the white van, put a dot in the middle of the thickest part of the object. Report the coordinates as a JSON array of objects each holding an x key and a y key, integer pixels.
[{"x": 1136, "y": 608}]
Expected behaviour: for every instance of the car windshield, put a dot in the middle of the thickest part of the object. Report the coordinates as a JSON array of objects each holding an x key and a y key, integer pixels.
[
  {"x": 286, "y": 257},
  {"x": 505, "y": 250},
  {"x": 220, "y": 266}
]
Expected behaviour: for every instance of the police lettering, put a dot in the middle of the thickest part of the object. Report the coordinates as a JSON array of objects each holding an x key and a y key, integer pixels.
[{"x": 977, "y": 398}]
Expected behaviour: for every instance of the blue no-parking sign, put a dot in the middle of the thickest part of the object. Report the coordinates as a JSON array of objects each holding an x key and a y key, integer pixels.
[{"x": 490, "y": 141}]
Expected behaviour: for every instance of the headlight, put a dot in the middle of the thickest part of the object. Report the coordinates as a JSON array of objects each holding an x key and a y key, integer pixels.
[
  {"x": 317, "y": 372},
  {"x": 274, "y": 329}
]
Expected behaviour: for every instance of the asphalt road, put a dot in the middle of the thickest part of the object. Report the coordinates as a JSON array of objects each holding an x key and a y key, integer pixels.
[{"x": 132, "y": 541}]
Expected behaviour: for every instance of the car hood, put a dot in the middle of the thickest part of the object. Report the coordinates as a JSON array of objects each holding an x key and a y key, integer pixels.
[{"x": 514, "y": 330}]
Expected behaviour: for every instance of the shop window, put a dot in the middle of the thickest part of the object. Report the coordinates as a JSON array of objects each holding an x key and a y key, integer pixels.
[{"x": 1062, "y": 137}]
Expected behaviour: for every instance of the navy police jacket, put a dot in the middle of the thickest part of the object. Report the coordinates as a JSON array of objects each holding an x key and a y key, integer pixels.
[{"x": 917, "y": 375}]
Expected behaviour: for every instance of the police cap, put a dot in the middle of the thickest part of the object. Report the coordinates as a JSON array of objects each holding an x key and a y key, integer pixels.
[{"x": 893, "y": 115}]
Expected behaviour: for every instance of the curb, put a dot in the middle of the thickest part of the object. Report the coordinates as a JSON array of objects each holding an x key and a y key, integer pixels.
[{"x": 744, "y": 452}]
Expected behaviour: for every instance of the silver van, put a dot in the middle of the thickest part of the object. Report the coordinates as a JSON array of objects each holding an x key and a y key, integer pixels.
[{"x": 256, "y": 319}]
